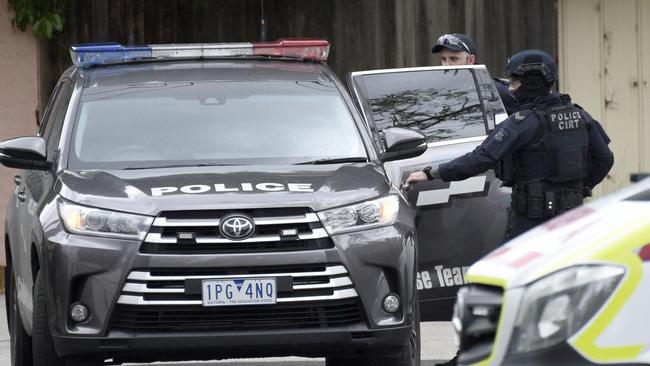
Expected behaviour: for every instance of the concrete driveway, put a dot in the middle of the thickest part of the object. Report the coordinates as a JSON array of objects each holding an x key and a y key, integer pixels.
[{"x": 437, "y": 345}]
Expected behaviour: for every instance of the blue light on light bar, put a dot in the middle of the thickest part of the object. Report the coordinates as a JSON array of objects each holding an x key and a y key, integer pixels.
[{"x": 90, "y": 54}]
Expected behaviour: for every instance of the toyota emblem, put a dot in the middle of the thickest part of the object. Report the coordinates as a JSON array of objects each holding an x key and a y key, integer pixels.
[{"x": 237, "y": 227}]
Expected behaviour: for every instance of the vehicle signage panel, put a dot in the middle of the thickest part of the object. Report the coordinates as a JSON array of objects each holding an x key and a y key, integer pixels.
[{"x": 238, "y": 291}]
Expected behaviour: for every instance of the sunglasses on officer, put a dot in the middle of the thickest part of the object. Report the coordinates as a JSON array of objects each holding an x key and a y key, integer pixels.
[{"x": 452, "y": 40}]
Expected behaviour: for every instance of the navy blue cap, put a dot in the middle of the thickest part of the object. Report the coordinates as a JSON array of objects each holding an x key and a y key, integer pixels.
[{"x": 455, "y": 42}]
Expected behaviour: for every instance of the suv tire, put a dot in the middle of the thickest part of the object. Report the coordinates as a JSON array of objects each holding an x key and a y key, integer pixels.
[
  {"x": 20, "y": 342},
  {"x": 43, "y": 346}
]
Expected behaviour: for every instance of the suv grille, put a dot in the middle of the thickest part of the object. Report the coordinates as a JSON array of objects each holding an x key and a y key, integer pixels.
[
  {"x": 172, "y": 287},
  {"x": 477, "y": 309},
  {"x": 170, "y": 300},
  {"x": 197, "y": 232},
  {"x": 197, "y": 318}
]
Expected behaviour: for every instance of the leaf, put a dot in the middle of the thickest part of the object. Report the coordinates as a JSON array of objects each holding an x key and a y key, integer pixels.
[
  {"x": 44, "y": 16},
  {"x": 36, "y": 27},
  {"x": 57, "y": 22},
  {"x": 48, "y": 29}
]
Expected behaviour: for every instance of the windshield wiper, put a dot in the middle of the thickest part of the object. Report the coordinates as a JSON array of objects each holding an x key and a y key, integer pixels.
[
  {"x": 173, "y": 166},
  {"x": 356, "y": 159}
]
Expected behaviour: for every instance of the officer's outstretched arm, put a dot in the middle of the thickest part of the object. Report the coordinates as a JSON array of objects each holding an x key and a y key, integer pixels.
[{"x": 506, "y": 138}]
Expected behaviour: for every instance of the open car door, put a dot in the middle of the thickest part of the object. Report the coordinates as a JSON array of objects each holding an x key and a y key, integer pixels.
[{"x": 458, "y": 222}]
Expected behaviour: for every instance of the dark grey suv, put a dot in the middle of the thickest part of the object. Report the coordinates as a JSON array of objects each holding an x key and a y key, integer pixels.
[{"x": 208, "y": 201}]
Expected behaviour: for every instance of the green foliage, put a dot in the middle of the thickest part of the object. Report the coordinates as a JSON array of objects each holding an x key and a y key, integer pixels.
[{"x": 46, "y": 17}]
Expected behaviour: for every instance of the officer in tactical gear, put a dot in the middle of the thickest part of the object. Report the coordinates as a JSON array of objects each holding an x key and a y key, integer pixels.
[
  {"x": 459, "y": 49},
  {"x": 551, "y": 152}
]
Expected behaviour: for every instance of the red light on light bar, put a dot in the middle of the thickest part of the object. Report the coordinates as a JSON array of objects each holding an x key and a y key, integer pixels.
[{"x": 307, "y": 49}]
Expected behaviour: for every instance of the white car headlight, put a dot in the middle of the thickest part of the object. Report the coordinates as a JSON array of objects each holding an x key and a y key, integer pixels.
[
  {"x": 365, "y": 215},
  {"x": 557, "y": 306},
  {"x": 93, "y": 221}
]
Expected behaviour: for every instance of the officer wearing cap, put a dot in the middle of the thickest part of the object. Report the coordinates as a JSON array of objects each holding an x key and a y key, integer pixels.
[
  {"x": 459, "y": 49},
  {"x": 551, "y": 152}
]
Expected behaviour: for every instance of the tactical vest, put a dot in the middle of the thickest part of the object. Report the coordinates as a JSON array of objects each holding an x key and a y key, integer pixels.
[
  {"x": 547, "y": 173},
  {"x": 559, "y": 151}
]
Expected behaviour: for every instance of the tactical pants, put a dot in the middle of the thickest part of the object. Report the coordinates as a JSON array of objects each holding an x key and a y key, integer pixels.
[{"x": 518, "y": 224}]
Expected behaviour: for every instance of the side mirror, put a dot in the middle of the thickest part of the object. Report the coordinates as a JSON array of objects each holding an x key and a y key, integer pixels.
[
  {"x": 24, "y": 153},
  {"x": 403, "y": 143}
]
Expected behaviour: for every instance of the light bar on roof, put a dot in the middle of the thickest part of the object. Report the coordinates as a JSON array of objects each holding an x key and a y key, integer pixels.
[
  {"x": 85, "y": 55},
  {"x": 103, "y": 53}
]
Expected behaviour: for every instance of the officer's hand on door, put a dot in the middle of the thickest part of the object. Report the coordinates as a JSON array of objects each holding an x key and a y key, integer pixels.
[{"x": 429, "y": 173}]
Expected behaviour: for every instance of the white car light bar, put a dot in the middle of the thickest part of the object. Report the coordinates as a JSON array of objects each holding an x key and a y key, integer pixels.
[{"x": 90, "y": 54}]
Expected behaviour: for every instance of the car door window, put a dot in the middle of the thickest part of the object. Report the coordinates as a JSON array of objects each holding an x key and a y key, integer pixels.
[
  {"x": 492, "y": 104},
  {"x": 55, "y": 117},
  {"x": 43, "y": 126},
  {"x": 442, "y": 103}
]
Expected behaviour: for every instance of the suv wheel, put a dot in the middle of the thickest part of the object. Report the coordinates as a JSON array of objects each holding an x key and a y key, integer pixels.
[
  {"x": 407, "y": 355},
  {"x": 21, "y": 343},
  {"x": 43, "y": 346}
]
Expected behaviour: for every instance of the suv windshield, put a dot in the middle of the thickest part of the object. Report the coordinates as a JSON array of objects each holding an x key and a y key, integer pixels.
[{"x": 212, "y": 123}]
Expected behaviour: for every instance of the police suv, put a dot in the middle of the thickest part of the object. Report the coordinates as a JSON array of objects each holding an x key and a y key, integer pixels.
[{"x": 226, "y": 200}]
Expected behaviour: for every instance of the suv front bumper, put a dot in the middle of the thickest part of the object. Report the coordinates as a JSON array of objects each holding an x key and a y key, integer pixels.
[
  {"x": 94, "y": 271},
  {"x": 205, "y": 346}
]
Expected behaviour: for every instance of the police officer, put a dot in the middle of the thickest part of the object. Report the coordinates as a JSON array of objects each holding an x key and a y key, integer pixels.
[
  {"x": 551, "y": 152},
  {"x": 459, "y": 49}
]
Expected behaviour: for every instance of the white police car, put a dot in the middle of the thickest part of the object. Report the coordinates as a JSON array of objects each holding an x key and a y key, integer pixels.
[{"x": 573, "y": 291}]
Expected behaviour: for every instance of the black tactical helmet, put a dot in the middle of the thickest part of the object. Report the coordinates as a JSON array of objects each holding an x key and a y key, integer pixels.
[{"x": 533, "y": 60}]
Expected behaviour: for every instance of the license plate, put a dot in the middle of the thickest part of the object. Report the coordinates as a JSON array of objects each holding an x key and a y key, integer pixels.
[{"x": 238, "y": 291}]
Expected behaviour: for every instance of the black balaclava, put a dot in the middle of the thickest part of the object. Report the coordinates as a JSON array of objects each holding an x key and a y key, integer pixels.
[{"x": 532, "y": 87}]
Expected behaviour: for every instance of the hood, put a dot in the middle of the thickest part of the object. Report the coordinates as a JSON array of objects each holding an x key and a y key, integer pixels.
[
  {"x": 595, "y": 233},
  {"x": 150, "y": 191}
]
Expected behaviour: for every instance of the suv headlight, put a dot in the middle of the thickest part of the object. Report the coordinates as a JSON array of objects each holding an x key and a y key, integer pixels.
[
  {"x": 93, "y": 221},
  {"x": 365, "y": 215},
  {"x": 557, "y": 306}
]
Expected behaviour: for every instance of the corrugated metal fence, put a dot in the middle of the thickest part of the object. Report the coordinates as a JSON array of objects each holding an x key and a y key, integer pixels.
[{"x": 365, "y": 34}]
